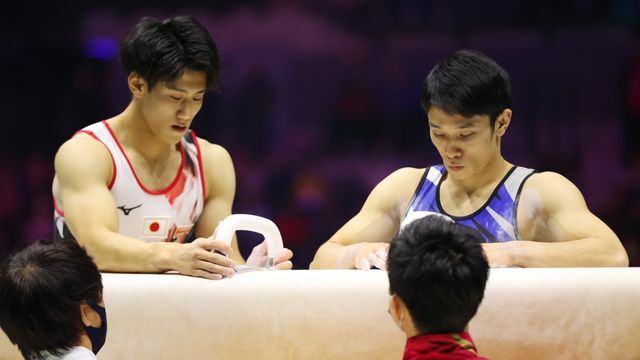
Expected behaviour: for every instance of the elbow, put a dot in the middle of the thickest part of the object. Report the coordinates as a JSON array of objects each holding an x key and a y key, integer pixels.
[
  {"x": 322, "y": 259},
  {"x": 616, "y": 256},
  {"x": 329, "y": 256},
  {"x": 91, "y": 249},
  {"x": 316, "y": 263},
  {"x": 101, "y": 262},
  {"x": 620, "y": 258}
]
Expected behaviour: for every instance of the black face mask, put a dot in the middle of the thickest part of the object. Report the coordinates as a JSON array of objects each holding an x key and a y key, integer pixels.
[{"x": 97, "y": 335}]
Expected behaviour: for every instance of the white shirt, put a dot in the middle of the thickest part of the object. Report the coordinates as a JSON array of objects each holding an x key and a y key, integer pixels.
[{"x": 75, "y": 353}]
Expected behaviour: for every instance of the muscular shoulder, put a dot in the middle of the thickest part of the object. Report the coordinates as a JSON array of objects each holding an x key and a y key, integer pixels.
[
  {"x": 550, "y": 183},
  {"x": 552, "y": 190},
  {"x": 404, "y": 177},
  {"x": 213, "y": 154},
  {"x": 395, "y": 191},
  {"x": 217, "y": 166},
  {"x": 83, "y": 157}
]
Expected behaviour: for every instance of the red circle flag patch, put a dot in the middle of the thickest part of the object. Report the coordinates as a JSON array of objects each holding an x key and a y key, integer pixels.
[{"x": 155, "y": 228}]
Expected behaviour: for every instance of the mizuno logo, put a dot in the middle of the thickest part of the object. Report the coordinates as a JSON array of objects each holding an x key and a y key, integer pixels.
[{"x": 126, "y": 210}]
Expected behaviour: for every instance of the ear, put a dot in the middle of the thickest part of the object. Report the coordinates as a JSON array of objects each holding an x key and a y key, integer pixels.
[
  {"x": 503, "y": 121},
  {"x": 137, "y": 85},
  {"x": 396, "y": 309},
  {"x": 86, "y": 312},
  {"x": 89, "y": 316}
]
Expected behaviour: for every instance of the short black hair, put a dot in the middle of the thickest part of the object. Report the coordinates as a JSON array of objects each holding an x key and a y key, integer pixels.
[
  {"x": 41, "y": 290},
  {"x": 467, "y": 83},
  {"x": 439, "y": 271},
  {"x": 160, "y": 51}
]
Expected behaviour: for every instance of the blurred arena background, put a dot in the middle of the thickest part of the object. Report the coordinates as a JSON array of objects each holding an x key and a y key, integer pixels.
[{"x": 320, "y": 99}]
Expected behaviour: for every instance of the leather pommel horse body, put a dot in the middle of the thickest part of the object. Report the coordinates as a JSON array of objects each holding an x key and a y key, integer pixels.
[{"x": 589, "y": 313}]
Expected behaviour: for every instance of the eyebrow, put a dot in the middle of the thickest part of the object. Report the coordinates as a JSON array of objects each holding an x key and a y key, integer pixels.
[
  {"x": 465, "y": 125},
  {"x": 173, "y": 87}
]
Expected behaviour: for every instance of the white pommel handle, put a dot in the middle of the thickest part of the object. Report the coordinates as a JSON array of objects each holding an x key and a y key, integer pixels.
[{"x": 268, "y": 229}]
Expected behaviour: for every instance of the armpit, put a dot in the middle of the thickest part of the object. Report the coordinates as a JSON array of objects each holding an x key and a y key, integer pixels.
[{"x": 531, "y": 219}]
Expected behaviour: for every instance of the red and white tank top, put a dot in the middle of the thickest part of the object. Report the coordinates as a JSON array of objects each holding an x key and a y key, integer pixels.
[{"x": 150, "y": 215}]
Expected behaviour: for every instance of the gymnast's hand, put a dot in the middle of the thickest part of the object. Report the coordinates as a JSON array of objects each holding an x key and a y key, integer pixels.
[
  {"x": 258, "y": 257},
  {"x": 204, "y": 257},
  {"x": 368, "y": 255}
]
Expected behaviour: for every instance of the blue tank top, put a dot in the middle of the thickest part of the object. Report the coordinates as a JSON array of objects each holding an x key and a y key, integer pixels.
[{"x": 495, "y": 220}]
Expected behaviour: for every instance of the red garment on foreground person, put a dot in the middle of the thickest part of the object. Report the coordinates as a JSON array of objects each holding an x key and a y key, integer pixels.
[{"x": 441, "y": 346}]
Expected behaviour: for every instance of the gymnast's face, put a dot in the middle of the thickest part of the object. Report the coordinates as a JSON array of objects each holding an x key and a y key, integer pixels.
[
  {"x": 467, "y": 145},
  {"x": 170, "y": 107}
]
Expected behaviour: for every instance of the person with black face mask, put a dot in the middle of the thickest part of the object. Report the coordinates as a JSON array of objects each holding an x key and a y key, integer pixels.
[{"x": 51, "y": 301}]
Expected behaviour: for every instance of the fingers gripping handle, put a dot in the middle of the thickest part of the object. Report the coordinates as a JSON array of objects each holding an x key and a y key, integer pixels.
[{"x": 264, "y": 226}]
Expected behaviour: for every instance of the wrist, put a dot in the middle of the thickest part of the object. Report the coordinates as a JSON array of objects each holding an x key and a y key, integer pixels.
[
  {"x": 515, "y": 252},
  {"x": 163, "y": 255},
  {"x": 347, "y": 258}
]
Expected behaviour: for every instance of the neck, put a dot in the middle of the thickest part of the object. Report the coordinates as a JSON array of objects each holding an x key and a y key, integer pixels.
[
  {"x": 133, "y": 132},
  {"x": 411, "y": 332},
  {"x": 85, "y": 341},
  {"x": 408, "y": 327},
  {"x": 417, "y": 333},
  {"x": 487, "y": 176}
]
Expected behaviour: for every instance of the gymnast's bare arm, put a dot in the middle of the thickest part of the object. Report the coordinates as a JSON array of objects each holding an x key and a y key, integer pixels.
[
  {"x": 561, "y": 230},
  {"x": 363, "y": 242},
  {"x": 83, "y": 170},
  {"x": 220, "y": 188}
]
